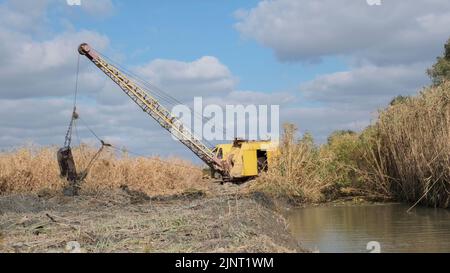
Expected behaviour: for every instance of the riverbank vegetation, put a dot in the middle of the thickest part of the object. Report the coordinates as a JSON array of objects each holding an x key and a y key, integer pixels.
[
  {"x": 412, "y": 147},
  {"x": 301, "y": 172},
  {"x": 404, "y": 155}
]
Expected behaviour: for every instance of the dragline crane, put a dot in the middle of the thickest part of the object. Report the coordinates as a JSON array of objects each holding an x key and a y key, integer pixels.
[{"x": 239, "y": 160}]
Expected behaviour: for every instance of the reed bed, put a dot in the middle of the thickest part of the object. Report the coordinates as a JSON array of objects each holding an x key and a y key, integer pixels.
[
  {"x": 301, "y": 172},
  {"x": 411, "y": 147},
  {"x": 404, "y": 155},
  {"x": 35, "y": 169}
]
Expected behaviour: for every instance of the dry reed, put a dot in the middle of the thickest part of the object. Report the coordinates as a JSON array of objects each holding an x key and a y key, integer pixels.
[
  {"x": 33, "y": 169},
  {"x": 412, "y": 147},
  {"x": 300, "y": 172}
]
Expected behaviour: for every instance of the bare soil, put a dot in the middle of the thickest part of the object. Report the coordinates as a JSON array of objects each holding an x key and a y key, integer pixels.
[{"x": 217, "y": 220}]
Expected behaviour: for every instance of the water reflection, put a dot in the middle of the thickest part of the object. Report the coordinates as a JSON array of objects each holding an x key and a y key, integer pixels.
[{"x": 351, "y": 228}]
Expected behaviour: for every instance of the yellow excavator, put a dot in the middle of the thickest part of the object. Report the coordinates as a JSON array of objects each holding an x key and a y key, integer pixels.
[{"x": 237, "y": 161}]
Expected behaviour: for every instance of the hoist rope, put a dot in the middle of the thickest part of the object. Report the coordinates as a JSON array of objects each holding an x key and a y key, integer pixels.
[
  {"x": 152, "y": 158},
  {"x": 126, "y": 150},
  {"x": 77, "y": 134},
  {"x": 90, "y": 130},
  {"x": 73, "y": 124},
  {"x": 75, "y": 99},
  {"x": 68, "y": 140},
  {"x": 163, "y": 96},
  {"x": 75, "y": 117},
  {"x": 157, "y": 92}
]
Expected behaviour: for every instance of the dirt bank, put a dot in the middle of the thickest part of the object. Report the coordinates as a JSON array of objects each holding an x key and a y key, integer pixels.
[{"x": 218, "y": 220}]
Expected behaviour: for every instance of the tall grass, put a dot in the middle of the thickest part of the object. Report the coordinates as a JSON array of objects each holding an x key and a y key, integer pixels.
[
  {"x": 411, "y": 147},
  {"x": 33, "y": 169},
  {"x": 404, "y": 155},
  {"x": 300, "y": 172},
  {"x": 358, "y": 163}
]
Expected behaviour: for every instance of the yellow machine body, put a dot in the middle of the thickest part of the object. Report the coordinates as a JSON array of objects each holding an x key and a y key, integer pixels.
[{"x": 247, "y": 159}]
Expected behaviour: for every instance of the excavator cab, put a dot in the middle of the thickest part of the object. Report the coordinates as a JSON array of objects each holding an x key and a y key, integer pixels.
[{"x": 246, "y": 159}]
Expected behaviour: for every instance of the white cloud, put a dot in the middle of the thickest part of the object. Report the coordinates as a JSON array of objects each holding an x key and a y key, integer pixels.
[
  {"x": 321, "y": 121},
  {"x": 23, "y": 14},
  {"x": 206, "y": 76},
  {"x": 34, "y": 65},
  {"x": 350, "y": 100},
  {"x": 387, "y": 48},
  {"x": 33, "y": 68},
  {"x": 45, "y": 121},
  {"x": 396, "y": 31},
  {"x": 38, "y": 78},
  {"x": 366, "y": 87},
  {"x": 38, "y": 75}
]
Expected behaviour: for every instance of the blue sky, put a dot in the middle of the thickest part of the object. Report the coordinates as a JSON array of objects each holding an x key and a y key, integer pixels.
[
  {"x": 328, "y": 64},
  {"x": 187, "y": 30}
]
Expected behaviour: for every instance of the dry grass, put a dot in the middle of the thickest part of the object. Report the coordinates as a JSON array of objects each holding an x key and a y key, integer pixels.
[
  {"x": 102, "y": 224},
  {"x": 32, "y": 170},
  {"x": 301, "y": 171},
  {"x": 411, "y": 148}
]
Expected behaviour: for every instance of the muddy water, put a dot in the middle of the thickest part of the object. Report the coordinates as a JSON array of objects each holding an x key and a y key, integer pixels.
[{"x": 351, "y": 228}]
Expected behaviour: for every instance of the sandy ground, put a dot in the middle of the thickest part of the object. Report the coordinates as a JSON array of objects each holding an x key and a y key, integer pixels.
[{"x": 218, "y": 220}]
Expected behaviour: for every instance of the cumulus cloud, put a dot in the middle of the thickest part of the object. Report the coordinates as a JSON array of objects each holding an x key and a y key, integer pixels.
[
  {"x": 350, "y": 100},
  {"x": 396, "y": 31},
  {"x": 366, "y": 87},
  {"x": 45, "y": 121},
  {"x": 38, "y": 74},
  {"x": 38, "y": 66},
  {"x": 33, "y": 68},
  {"x": 321, "y": 121},
  {"x": 387, "y": 49},
  {"x": 206, "y": 76},
  {"x": 23, "y": 14},
  {"x": 38, "y": 80}
]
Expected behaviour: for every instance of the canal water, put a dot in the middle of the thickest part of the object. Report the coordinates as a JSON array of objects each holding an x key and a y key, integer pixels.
[{"x": 386, "y": 228}]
